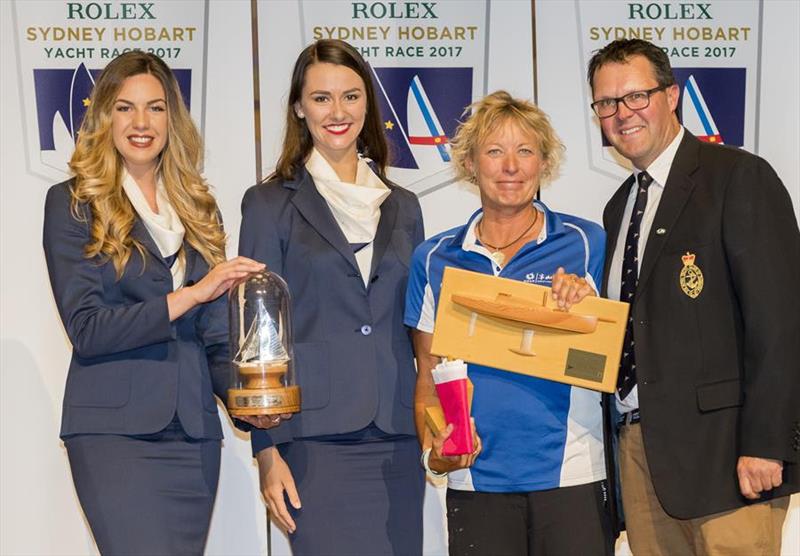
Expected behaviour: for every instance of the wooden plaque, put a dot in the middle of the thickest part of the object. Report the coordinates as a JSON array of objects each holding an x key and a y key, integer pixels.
[{"x": 517, "y": 327}]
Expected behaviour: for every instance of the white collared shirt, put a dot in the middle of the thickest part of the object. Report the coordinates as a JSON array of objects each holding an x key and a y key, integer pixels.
[
  {"x": 356, "y": 207},
  {"x": 659, "y": 172},
  {"x": 165, "y": 226}
]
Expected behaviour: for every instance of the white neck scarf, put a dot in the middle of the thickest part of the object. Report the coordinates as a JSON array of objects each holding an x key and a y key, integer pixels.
[
  {"x": 165, "y": 228},
  {"x": 355, "y": 206}
]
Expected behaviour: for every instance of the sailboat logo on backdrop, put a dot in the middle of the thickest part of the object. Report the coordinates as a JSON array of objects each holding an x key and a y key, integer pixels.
[
  {"x": 61, "y": 49},
  {"x": 420, "y": 110},
  {"x": 62, "y": 99},
  {"x": 712, "y": 103}
]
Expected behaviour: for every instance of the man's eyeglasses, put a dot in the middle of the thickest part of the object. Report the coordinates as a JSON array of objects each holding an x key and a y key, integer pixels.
[{"x": 637, "y": 100}]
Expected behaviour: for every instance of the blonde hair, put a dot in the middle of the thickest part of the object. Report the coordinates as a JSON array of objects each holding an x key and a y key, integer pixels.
[
  {"x": 98, "y": 170},
  {"x": 495, "y": 110}
]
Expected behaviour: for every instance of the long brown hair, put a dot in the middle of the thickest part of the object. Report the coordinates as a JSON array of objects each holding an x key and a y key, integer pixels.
[
  {"x": 297, "y": 142},
  {"x": 98, "y": 169}
]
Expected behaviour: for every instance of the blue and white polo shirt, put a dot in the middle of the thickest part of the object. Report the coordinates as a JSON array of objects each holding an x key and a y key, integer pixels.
[{"x": 536, "y": 434}]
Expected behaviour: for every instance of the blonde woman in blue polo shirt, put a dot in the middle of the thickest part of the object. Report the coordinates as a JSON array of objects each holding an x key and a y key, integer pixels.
[{"x": 540, "y": 471}]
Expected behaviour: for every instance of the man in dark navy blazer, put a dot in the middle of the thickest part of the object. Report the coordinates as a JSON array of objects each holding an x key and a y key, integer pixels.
[{"x": 707, "y": 250}]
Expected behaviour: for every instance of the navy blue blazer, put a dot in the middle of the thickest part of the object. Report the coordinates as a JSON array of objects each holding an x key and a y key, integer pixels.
[
  {"x": 353, "y": 355},
  {"x": 717, "y": 374},
  {"x": 132, "y": 369}
]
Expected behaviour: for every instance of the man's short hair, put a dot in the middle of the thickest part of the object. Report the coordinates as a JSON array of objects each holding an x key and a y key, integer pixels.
[{"x": 620, "y": 51}]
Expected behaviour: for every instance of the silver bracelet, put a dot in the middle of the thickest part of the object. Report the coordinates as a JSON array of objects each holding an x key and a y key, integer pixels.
[{"x": 424, "y": 460}]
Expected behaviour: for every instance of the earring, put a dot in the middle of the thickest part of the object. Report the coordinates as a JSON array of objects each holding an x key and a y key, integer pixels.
[{"x": 301, "y": 115}]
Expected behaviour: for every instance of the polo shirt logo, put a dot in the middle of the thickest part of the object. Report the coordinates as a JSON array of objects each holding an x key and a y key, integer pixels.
[{"x": 538, "y": 278}]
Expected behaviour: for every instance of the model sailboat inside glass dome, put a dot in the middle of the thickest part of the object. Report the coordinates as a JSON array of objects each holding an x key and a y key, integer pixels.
[{"x": 262, "y": 379}]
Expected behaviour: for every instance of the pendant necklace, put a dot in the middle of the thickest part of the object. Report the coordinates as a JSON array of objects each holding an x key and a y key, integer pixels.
[{"x": 497, "y": 255}]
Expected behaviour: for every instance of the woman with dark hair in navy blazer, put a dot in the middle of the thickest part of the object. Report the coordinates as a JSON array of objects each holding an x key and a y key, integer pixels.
[
  {"x": 136, "y": 256},
  {"x": 329, "y": 222}
]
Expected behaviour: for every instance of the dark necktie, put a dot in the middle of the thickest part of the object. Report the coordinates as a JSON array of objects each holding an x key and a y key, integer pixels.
[{"x": 630, "y": 278}]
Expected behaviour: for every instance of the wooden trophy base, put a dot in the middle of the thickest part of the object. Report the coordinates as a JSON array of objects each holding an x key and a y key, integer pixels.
[
  {"x": 263, "y": 392},
  {"x": 266, "y": 401}
]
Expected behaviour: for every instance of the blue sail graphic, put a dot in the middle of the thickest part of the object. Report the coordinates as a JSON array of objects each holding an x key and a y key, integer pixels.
[
  {"x": 420, "y": 108},
  {"x": 697, "y": 117},
  {"x": 425, "y": 134}
]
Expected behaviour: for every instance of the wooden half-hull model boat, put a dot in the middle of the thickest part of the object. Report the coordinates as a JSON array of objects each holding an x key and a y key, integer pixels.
[
  {"x": 527, "y": 312},
  {"x": 524, "y": 311}
]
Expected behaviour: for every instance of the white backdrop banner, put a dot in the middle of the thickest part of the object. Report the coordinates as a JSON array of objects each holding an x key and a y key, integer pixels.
[
  {"x": 34, "y": 352},
  {"x": 714, "y": 49},
  {"x": 63, "y": 46},
  {"x": 428, "y": 60}
]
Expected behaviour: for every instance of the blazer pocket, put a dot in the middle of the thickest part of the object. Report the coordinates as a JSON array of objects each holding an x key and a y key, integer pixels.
[
  {"x": 312, "y": 368},
  {"x": 101, "y": 385},
  {"x": 719, "y": 395}
]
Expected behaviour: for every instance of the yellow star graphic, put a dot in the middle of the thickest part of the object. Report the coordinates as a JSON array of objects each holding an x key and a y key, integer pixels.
[
  {"x": 389, "y": 125},
  {"x": 86, "y": 102}
]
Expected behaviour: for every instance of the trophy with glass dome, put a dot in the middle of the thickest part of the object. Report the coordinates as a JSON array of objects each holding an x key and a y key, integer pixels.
[{"x": 262, "y": 373}]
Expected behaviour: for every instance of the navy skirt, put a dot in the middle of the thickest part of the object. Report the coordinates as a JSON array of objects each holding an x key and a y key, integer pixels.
[
  {"x": 359, "y": 495},
  {"x": 149, "y": 494}
]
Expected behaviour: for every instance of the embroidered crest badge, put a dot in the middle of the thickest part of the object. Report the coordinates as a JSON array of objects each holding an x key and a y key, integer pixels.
[{"x": 691, "y": 277}]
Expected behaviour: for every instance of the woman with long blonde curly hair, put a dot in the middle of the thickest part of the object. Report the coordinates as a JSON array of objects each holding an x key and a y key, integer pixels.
[
  {"x": 99, "y": 166},
  {"x": 136, "y": 256}
]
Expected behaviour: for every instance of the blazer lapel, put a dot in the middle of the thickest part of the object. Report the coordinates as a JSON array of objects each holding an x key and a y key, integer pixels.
[
  {"x": 677, "y": 191},
  {"x": 140, "y": 233},
  {"x": 612, "y": 221},
  {"x": 191, "y": 261},
  {"x": 383, "y": 236},
  {"x": 315, "y": 210}
]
